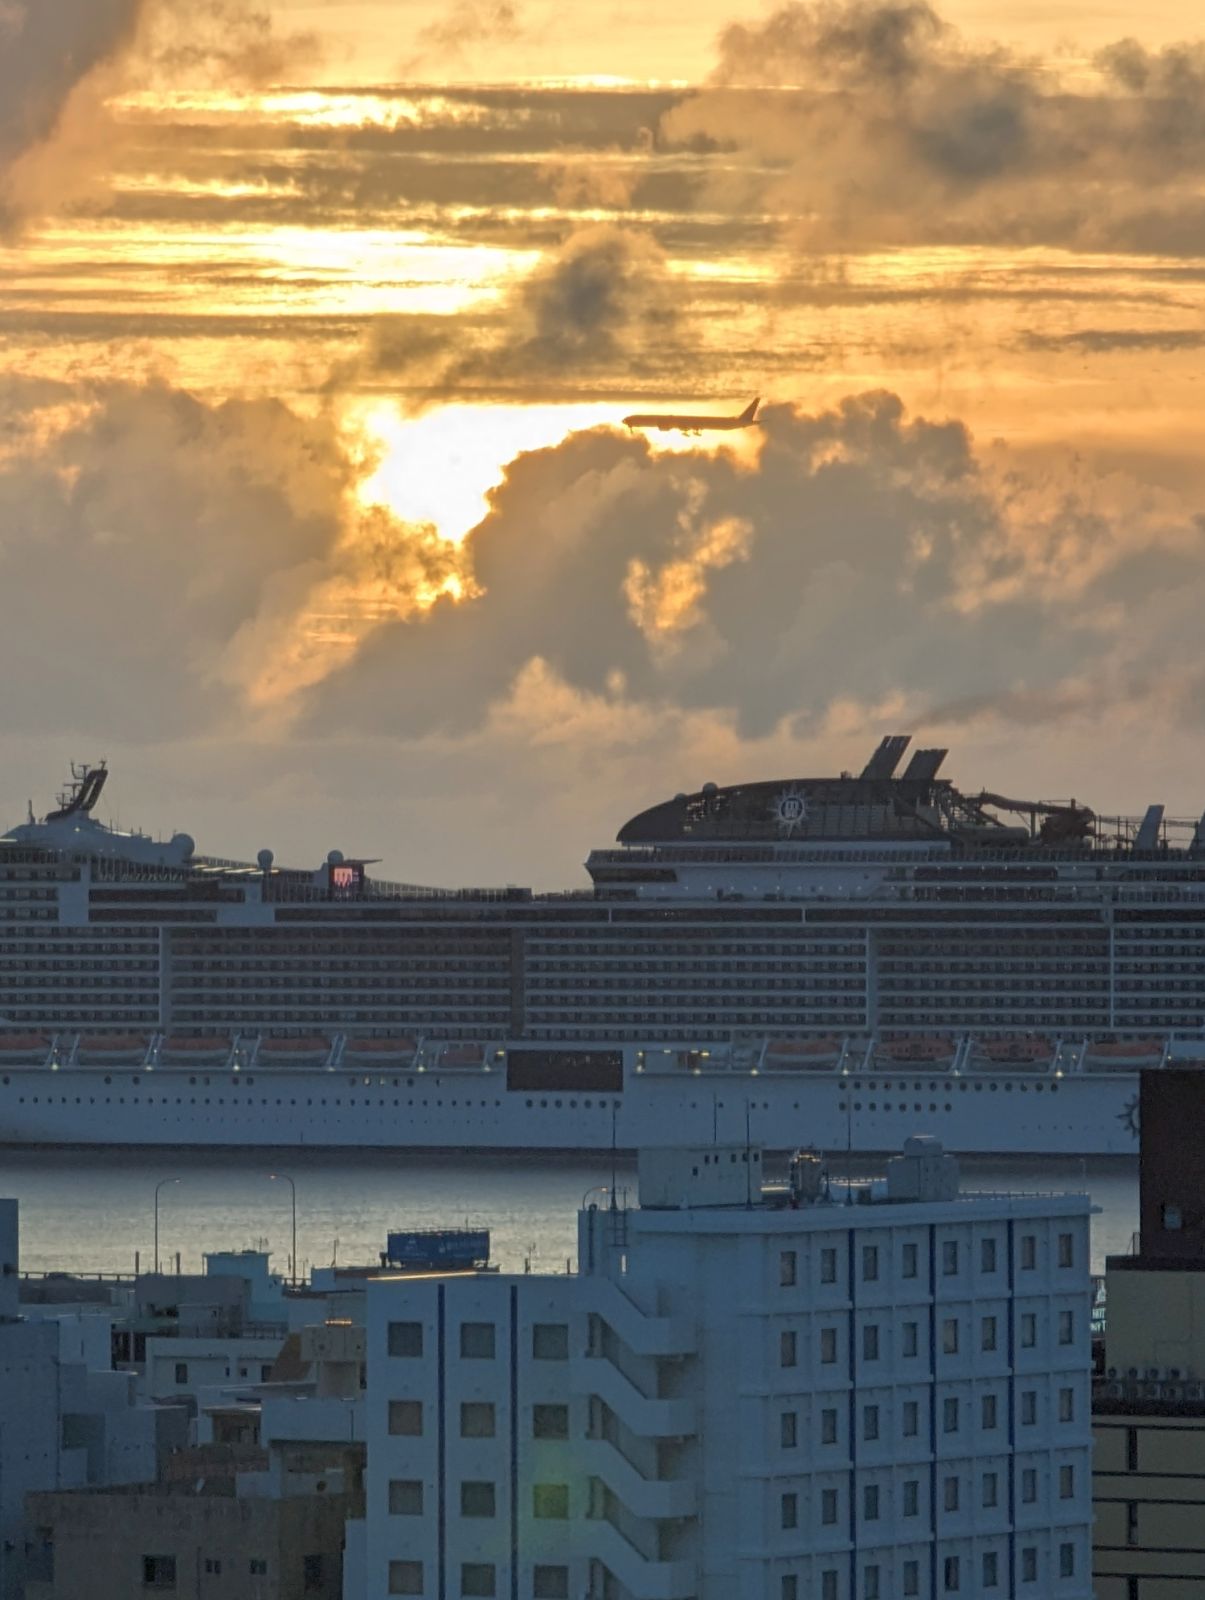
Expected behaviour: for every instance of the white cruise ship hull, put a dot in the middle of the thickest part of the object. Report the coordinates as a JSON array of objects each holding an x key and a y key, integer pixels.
[{"x": 1005, "y": 1114}]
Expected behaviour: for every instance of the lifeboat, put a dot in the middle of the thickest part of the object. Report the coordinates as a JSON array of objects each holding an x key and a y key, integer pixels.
[
  {"x": 933, "y": 1052},
  {"x": 24, "y": 1047},
  {"x": 1112, "y": 1055},
  {"x": 800, "y": 1055},
  {"x": 460, "y": 1055},
  {"x": 1025, "y": 1052},
  {"x": 380, "y": 1050},
  {"x": 107, "y": 1048}
]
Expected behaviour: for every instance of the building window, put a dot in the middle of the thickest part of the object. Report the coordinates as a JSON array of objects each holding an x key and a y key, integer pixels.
[
  {"x": 477, "y": 1578},
  {"x": 911, "y": 1497},
  {"x": 1029, "y": 1486},
  {"x": 910, "y": 1338},
  {"x": 870, "y": 1263},
  {"x": 787, "y": 1352},
  {"x": 1066, "y": 1327},
  {"x": 1066, "y": 1483},
  {"x": 987, "y": 1255},
  {"x": 911, "y": 1577},
  {"x": 790, "y": 1511},
  {"x": 1066, "y": 1250},
  {"x": 991, "y": 1570},
  {"x": 870, "y": 1342},
  {"x": 550, "y": 1422},
  {"x": 828, "y": 1426},
  {"x": 870, "y": 1422},
  {"x": 908, "y": 1261},
  {"x": 405, "y": 1497},
  {"x": 949, "y": 1416},
  {"x": 828, "y": 1584},
  {"x": 1066, "y": 1561},
  {"x": 953, "y": 1576},
  {"x": 910, "y": 1419},
  {"x": 405, "y": 1338},
  {"x": 788, "y": 1430},
  {"x": 1173, "y": 1218},
  {"x": 257, "y": 1567},
  {"x": 1029, "y": 1564},
  {"x": 949, "y": 1336},
  {"x": 476, "y": 1498},
  {"x": 181, "y": 1371},
  {"x": 870, "y": 1502},
  {"x": 1029, "y": 1407},
  {"x": 550, "y": 1341},
  {"x": 313, "y": 1576},
  {"x": 1029, "y": 1252},
  {"x": 828, "y": 1265},
  {"x": 405, "y": 1577},
  {"x": 828, "y": 1507},
  {"x": 828, "y": 1346},
  {"x": 159, "y": 1572},
  {"x": 213, "y": 1566},
  {"x": 1066, "y": 1405},
  {"x": 477, "y": 1419},
  {"x": 550, "y": 1500},
  {"x": 788, "y": 1589},
  {"x": 786, "y": 1269},
  {"x": 550, "y": 1583},
  {"x": 949, "y": 1257},
  {"x": 987, "y": 1334},
  {"x": 950, "y": 1494},
  {"x": 406, "y": 1418},
  {"x": 988, "y": 1412},
  {"x": 477, "y": 1341},
  {"x": 991, "y": 1490},
  {"x": 1029, "y": 1330}
]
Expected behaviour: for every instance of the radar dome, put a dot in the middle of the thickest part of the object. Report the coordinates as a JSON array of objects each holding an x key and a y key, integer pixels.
[
  {"x": 711, "y": 788},
  {"x": 265, "y": 859},
  {"x": 334, "y": 858},
  {"x": 184, "y": 843}
]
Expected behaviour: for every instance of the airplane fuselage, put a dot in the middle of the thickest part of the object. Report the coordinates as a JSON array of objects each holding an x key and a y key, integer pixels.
[{"x": 675, "y": 422}]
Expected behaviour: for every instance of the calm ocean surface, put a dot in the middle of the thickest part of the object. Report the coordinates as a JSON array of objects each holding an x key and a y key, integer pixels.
[{"x": 91, "y": 1211}]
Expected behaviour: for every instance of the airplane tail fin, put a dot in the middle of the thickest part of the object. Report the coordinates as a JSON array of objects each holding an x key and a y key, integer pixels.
[{"x": 750, "y": 411}]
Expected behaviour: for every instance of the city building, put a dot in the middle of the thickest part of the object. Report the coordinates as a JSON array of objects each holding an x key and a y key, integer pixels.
[
  {"x": 747, "y": 1391},
  {"x": 1149, "y": 1397}
]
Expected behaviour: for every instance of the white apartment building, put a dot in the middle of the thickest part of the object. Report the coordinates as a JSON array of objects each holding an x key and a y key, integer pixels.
[{"x": 810, "y": 1392}]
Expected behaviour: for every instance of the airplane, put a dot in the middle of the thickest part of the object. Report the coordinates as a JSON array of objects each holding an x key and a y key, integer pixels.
[{"x": 667, "y": 422}]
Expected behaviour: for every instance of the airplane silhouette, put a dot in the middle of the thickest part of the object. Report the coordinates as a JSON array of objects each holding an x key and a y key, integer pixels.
[{"x": 669, "y": 422}]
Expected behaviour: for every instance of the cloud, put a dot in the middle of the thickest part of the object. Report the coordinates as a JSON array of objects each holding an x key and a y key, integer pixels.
[
  {"x": 61, "y": 63},
  {"x": 862, "y": 556},
  {"x": 605, "y": 296},
  {"x": 875, "y": 122},
  {"x": 1101, "y": 341},
  {"x": 465, "y": 26},
  {"x": 168, "y": 563}
]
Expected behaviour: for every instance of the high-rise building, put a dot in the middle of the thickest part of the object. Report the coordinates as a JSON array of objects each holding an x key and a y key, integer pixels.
[
  {"x": 855, "y": 1391},
  {"x": 1149, "y": 1400}
]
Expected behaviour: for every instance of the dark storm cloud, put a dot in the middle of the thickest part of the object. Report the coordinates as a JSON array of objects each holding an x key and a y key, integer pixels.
[
  {"x": 864, "y": 556},
  {"x": 887, "y": 126}
]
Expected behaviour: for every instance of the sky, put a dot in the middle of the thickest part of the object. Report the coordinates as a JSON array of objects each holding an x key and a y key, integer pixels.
[{"x": 318, "y": 320}]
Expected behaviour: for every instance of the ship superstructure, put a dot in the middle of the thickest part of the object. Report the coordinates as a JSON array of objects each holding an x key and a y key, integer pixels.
[{"x": 804, "y": 928}]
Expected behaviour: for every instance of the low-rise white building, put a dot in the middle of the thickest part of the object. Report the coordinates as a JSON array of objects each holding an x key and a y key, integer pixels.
[{"x": 838, "y": 1393}]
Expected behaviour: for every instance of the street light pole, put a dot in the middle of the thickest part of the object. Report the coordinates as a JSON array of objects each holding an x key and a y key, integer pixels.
[
  {"x": 163, "y": 1182},
  {"x": 283, "y": 1177}
]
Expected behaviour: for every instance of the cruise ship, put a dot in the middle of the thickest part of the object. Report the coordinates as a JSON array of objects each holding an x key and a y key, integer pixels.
[{"x": 834, "y": 962}]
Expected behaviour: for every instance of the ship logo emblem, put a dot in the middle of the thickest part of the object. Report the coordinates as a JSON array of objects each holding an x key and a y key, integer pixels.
[
  {"x": 1129, "y": 1118},
  {"x": 790, "y": 810}
]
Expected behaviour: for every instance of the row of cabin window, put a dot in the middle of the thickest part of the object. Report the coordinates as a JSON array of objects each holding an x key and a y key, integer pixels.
[
  {"x": 480, "y": 1579},
  {"x": 951, "y": 1414},
  {"x": 991, "y": 1575},
  {"x": 478, "y": 1420},
  {"x": 478, "y": 1342},
  {"x": 951, "y": 1337},
  {"x": 788, "y": 1261},
  {"x": 952, "y": 1496}
]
